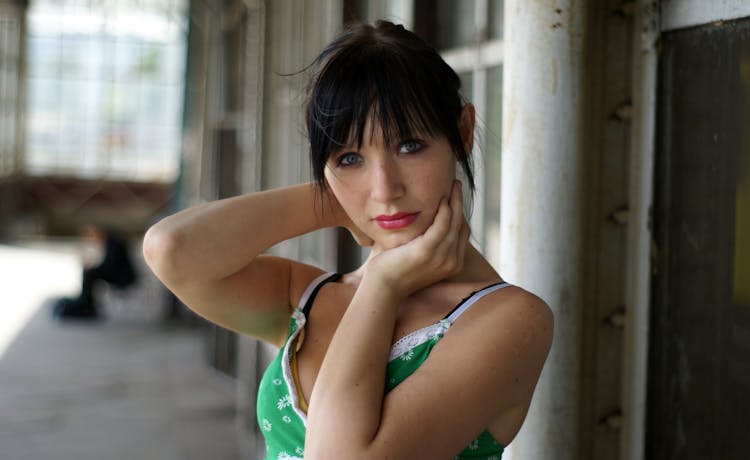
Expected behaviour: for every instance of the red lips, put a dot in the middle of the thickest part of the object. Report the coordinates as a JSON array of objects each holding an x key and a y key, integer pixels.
[{"x": 396, "y": 221}]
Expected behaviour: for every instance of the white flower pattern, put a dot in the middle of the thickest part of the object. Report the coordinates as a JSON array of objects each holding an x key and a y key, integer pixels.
[
  {"x": 285, "y": 401},
  {"x": 267, "y": 426},
  {"x": 407, "y": 356},
  {"x": 286, "y": 456}
]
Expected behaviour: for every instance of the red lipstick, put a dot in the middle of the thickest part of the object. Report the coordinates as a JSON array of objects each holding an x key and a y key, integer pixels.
[{"x": 396, "y": 221}]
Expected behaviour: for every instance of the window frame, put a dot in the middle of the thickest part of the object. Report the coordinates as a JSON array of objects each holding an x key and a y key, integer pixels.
[
  {"x": 690, "y": 13},
  {"x": 477, "y": 59}
]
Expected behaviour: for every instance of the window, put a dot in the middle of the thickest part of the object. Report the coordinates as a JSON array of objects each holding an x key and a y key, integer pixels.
[
  {"x": 105, "y": 88},
  {"x": 469, "y": 36}
]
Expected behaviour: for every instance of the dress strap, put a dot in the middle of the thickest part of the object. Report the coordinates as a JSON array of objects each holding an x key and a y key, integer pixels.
[
  {"x": 472, "y": 298},
  {"x": 306, "y": 301}
]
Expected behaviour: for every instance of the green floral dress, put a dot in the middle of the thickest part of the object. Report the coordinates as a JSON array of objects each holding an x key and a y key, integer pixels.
[{"x": 280, "y": 418}]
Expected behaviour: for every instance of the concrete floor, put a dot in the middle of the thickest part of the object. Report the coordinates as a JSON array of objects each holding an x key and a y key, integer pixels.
[{"x": 128, "y": 387}]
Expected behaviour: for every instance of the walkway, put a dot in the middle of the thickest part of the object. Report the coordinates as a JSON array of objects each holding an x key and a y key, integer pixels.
[{"x": 127, "y": 387}]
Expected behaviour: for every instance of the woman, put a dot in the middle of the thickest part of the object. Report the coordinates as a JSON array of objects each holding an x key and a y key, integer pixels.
[{"x": 423, "y": 352}]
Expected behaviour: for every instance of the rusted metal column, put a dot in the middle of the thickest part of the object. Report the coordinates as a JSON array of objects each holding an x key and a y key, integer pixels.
[{"x": 542, "y": 221}]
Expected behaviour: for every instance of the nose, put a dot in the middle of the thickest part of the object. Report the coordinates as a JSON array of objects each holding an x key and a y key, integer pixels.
[{"x": 387, "y": 181}]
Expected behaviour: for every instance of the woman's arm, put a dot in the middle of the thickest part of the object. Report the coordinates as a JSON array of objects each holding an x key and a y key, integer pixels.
[
  {"x": 480, "y": 376},
  {"x": 208, "y": 256},
  {"x": 352, "y": 375},
  {"x": 472, "y": 377}
]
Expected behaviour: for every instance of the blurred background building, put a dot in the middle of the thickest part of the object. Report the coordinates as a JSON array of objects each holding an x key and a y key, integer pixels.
[{"x": 613, "y": 167}]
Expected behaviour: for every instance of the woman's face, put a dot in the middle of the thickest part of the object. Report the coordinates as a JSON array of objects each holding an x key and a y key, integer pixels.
[{"x": 392, "y": 192}]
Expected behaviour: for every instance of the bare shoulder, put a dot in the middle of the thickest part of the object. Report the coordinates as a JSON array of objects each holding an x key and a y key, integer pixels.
[
  {"x": 513, "y": 308},
  {"x": 511, "y": 329},
  {"x": 523, "y": 308},
  {"x": 523, "y": 320}
]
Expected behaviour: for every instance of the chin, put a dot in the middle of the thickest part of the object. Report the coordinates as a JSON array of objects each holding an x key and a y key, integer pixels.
[
  {"x": 389, "y": 239},
  {"x": 394, "y": 241}
]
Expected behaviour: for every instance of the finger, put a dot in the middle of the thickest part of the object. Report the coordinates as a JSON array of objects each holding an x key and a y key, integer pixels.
[
  {"x": 457, "y": 207},
  {"x": 436, "y": 233},
  {"x": 449, "y": 238},
  {"x": 458, "y": 236}
]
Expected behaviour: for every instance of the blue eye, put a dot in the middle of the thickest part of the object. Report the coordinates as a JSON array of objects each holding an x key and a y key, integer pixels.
[
  {"x": 410, "y": 146},
  {"x": 348, "y": 159}
]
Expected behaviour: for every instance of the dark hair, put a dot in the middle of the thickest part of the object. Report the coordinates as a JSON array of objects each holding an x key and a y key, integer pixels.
[{"x": 389, "y": 73}]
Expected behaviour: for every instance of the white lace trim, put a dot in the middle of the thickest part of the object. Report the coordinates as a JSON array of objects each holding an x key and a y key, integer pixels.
[
  {"x": 299, "y": 322},
  {"x": 418, "y": 337},
  {"x": 286, "y": 367},
  {"x": 421, "y": 336}
]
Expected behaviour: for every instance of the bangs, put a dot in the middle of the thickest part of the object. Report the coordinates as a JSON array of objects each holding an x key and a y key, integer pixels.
[
  {"x": 398, "y": 92},
  {"x": 386, "y": 94}
]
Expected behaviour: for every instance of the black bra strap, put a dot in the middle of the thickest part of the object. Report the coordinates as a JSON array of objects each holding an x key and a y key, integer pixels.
[{"x": 308, "y": 305}]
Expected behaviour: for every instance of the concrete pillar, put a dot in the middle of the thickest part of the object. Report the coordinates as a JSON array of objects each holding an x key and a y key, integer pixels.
[{"x": 542, "y": 222}]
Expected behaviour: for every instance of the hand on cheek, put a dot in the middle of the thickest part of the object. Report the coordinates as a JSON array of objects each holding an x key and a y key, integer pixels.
[{"x": 430, "y": 257}]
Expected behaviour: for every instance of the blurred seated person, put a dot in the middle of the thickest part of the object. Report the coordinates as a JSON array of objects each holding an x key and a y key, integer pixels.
[{"x": 115, "y": 268}]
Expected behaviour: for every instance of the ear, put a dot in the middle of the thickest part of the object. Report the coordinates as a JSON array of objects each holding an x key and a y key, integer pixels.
[{"x": 466, "y": 126}]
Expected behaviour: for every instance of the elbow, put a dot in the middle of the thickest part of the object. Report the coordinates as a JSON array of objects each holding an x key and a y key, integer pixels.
[{"x": 161, "y": 249}]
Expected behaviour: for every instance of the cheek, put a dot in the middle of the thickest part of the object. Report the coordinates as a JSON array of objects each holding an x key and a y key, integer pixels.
[
  {"x": 347, "y": 196},
  {"x": 334, "y": 184},
  {"x": 438, "y": 180}
]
